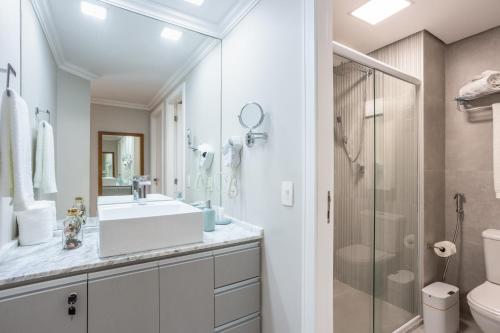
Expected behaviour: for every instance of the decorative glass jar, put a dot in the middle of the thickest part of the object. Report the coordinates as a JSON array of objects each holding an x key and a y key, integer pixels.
[{"x": 72, "y": 235}]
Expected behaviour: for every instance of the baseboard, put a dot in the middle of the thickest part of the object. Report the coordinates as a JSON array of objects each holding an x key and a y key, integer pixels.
[{"x": 409, "y": 326}]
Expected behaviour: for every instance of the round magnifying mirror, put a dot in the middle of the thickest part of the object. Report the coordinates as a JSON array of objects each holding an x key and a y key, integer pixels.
[{"x": 251, "y": 116}]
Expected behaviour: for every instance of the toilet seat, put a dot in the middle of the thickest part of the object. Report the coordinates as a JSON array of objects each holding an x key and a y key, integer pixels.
[
  {"x": 486, "y": 300},
  {"x": 359, "y": 253}
]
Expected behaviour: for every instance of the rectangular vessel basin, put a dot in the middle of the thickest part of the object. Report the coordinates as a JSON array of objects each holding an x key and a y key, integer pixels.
[
  {"x": 121, "y": 199},
  {"x": 131, "y": 227}
]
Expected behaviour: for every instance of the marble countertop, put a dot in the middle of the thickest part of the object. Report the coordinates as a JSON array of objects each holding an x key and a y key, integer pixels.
[{"x": 26, "y": 264}]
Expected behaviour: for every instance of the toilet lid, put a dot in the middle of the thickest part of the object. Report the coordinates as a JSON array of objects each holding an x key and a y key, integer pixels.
[
  {"x": 362, "y": 254},
  {"x": 486, "y": 297}
]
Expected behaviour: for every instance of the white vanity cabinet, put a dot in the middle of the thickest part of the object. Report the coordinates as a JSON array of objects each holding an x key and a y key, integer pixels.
[
  {"x": 56, "y": 306},
  {"x": 237, "y": 289},
  {"x": 124, "y": 300},
  {"x": 212, "y": 291},
  {"x": 187, "y": 294}
]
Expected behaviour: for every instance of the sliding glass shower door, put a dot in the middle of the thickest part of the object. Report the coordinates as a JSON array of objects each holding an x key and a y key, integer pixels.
[{"x": 375, "y": 200}]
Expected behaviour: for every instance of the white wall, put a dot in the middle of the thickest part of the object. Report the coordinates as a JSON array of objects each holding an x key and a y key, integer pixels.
[
  {"x": 114, "y": 119},
  {"x": 202, "y": 106},
  {"x": 72, "y": 142},
  {"x": 10, "y": 36},
  {"x": 263, "y": 61},
  {"x": 39, "y": 73}
]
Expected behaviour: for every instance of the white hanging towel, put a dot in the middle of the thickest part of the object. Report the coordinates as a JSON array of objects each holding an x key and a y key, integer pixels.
[
  {"x": 45, "y": 171},
  {"x": 496, "y": 148},
  {"x": 15, "y": 151}
]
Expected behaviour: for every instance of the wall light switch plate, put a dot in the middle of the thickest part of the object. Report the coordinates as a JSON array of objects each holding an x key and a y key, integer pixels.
[{"x": 287, "y": 194}]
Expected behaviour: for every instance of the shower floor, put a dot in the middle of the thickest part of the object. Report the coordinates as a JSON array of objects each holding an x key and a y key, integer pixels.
[{"x": 353, "y": 311}]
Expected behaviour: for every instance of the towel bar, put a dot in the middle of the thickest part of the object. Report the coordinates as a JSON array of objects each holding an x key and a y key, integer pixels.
[{"x": 461, "y": 106}]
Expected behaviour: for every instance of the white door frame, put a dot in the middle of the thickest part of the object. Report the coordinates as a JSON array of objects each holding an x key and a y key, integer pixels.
[
  {"x": 158, "y": 114},
  {"x": 171, "y": 102},
  {"x": 317, "y": 261}
]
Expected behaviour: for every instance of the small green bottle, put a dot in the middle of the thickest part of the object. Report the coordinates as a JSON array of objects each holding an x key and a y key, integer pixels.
[{"x": 208, "y": 218}]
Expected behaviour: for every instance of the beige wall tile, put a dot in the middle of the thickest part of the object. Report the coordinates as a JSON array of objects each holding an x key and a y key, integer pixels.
[{"x": 469, "y": 162}]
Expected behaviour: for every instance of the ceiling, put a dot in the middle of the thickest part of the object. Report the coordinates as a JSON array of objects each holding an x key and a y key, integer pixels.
[
  {"x": 449, "y": 20},
  {"x": 124, "y": 56}
]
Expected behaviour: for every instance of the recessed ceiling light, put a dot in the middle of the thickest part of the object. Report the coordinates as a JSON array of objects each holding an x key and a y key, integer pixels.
[
  {"x": 375, "y": 11},
  {"x": 93, "y": 10},
  {"x": 196, "y": 2},
  {"x": 172, "y": 34}
]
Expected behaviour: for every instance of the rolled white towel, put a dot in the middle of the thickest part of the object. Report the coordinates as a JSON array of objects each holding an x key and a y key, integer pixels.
[
  {"x": 485, "y": 84},
  {"x": 36, "y": 224}
]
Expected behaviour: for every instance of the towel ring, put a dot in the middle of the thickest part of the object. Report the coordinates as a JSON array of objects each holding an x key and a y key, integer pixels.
[{"x": 38, "y": 111}]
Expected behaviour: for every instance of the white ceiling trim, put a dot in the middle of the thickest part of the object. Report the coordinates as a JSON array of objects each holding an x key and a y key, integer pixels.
[
  {"x": 45, "y": 17},
  {"x": 169, "y": 15},
  {"x": 235, "y": 16},
  {"x": 178, "y": 76},
  {"x": 78, "y": 71},
  {"x": 120, "y": 104}
]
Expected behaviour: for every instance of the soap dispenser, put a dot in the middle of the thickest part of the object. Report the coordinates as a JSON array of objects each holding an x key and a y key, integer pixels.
[{"x": 208, "y": 217}]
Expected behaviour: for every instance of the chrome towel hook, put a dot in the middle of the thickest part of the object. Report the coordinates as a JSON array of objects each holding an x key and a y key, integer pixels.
[{"x": 10, "y": 70}]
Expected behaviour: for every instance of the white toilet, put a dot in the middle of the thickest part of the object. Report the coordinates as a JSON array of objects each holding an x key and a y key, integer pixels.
[{"x": 484, "y": 301}]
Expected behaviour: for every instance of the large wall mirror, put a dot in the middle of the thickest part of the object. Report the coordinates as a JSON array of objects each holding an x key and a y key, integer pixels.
[{"x": 128, "y": 96}]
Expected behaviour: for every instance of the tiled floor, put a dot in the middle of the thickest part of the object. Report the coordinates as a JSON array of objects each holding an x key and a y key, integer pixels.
[
  {"x": 466, "y": 326},
  {"x": 353, "y": 311}
]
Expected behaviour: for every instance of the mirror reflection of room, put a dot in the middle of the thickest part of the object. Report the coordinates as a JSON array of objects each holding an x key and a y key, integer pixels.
[
  {"x": 121, "y": 159},
  {"x": 137, "y": 97}
]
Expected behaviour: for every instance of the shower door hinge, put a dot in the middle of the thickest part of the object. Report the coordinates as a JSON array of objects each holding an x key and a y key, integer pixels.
[
  {"x": 329, "y": 204},
  {"x": 175, "y": 118}
]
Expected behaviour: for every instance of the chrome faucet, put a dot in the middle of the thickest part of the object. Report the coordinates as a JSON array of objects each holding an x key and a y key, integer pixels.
[{"x": 139, "y": 187}]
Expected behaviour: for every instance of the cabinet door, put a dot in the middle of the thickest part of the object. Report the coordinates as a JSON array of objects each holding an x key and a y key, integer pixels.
[
  {"x": 124, "y": 300},
  {"x": 43, "y": 307},
  {"x": 187, "y": 295}
]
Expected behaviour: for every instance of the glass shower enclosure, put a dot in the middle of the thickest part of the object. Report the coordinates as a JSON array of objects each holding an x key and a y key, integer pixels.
[{"x": 376, "y": 266}]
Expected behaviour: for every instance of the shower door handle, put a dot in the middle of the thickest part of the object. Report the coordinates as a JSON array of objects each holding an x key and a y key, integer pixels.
[{"x": 329, "y": 204}]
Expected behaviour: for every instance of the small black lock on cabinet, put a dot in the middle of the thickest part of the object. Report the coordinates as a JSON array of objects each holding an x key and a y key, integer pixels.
[
  {"x": 71, "y": 311},
  {"x": 72, "y": 298}
]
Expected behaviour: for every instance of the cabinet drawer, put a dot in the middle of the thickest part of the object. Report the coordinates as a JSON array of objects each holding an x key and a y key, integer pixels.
[
  {"x": 43, "y": 307},
  {"x": 248, "y": 326},
  {"x": 237, "y": 303},
  {"x": 236, "y": 266}
]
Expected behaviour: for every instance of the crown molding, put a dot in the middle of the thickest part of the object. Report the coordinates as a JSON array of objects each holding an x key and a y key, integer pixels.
[
  {"x": 164, "y": 13},
  {"x": 46, "y": 21},
  {"x": 78, "y": 71},
  {"x": 179, "y": 75},
  {"x": 120, "y": 104},
  {"x": 235, "y": 16}
]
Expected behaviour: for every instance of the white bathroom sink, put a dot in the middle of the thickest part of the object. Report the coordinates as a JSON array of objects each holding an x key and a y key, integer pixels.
[
  {"x": 120, "y": 199},
  {"x": 131, "y": 227}
]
